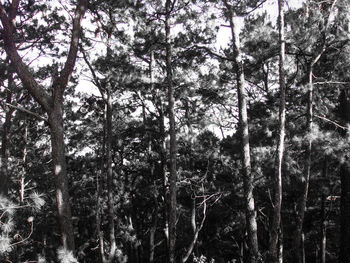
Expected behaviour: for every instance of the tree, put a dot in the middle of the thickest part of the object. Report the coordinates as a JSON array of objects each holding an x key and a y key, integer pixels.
[
  {"x": 275, "y": 229},
  {"x": 316, "y": 55},
  {"x": 251, "y": 223},
  {"x": 171, "y": 101},
  {"x": 52, "y": 104}
]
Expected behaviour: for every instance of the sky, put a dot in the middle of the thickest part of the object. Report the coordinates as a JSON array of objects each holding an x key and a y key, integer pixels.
[{"x": 224, "y": 34}]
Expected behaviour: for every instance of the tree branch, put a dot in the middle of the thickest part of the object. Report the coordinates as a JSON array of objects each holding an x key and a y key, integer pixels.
[
  {"x": 22, "y": 70},
  {"x": 212, "y": 53},
  {"x": 333, "y": 122},
  {"x": 26, "y": 111},
  {"x": 195, "y": 237},
  {"x": 331, "y": 82},
  {"x": 67, "y": 70},
  {"x": 96, "y": 79}
]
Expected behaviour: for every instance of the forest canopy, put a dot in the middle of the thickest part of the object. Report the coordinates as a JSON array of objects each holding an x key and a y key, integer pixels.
[{"x": 174, "y": 131}]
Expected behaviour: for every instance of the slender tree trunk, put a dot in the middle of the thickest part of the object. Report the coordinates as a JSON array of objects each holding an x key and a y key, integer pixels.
[
  {"x": 98, "y": 222},
  {"x": 303, "y": 247},
  {"x": 323, "y": 229},
  {"x": 163, "y": 170},
  {"x": 151, "y": 163},
  {"x": 110, "y": 187},
  {"x": 308, "y": 147},
  {"x": 152, "y": 233},
  {"x": 306, "y": 174},
  {"x": 24, "y": 161},
  {"x": 172, "y": 155},
  {"x": 277, "y": 180},
  {"x": 196, "y": 230},
  {"x": 251, "y": 223},
  {"x": 61, "y": 179},
  {"x": 345, "y": 212},
  {"x": 5, "y": 142},
  {"x": 345, "y": 185},
  {"x": 99, "y": 187},
  {"x": 280, "y": 245}
]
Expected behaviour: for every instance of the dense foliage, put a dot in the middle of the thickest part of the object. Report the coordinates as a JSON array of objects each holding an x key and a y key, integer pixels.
[{"x": 117, "y": 135}]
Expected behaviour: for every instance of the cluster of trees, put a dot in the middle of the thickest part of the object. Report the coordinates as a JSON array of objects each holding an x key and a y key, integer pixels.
[{"x": 128, "y": 136}]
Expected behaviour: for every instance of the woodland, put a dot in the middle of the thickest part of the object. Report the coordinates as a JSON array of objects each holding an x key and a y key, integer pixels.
[{"x": 174, "y": 131}]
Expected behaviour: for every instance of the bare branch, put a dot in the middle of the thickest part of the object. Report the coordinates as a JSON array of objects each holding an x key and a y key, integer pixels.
[
  {"x": 331, "y": 82},
  {"x": 333, "y": 122},
  {"x": 25, "y": 239},
  {"x": 95, "y": 78},
  {"x": 195, "y": 237}
]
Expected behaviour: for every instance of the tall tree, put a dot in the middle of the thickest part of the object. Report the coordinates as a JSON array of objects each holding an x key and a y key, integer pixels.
[
  {"x": 171, "y": 104},
  {"x": 277, "y": 179},
  {"x": 321, "y": 48},
  {"x": 105, "y": 91},
  {"x": 52, "y": 104},
  {"x": 251, "y": 223}
]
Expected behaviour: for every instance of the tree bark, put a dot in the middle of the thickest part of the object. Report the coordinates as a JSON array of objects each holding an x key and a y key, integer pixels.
[
  {"x": 172, "y": 132},
  {"x": 61, "y": 178},
  {"x": 277, "y": 180},
  {"x": 251, "y": 223}
]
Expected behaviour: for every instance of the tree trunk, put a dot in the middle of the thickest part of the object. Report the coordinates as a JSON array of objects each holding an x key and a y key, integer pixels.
[
  {"x": 306, "y": 174},
  {"x": 280, "y": 245},
  {"x": 110, "y": 187},
  {"x": 172, "y": 155},
  {"x": 52, "y": 104},
  {"x": 345, "y": 212},
  {"x": 277, "y": 180},
  {"x": 163, "y": 170},
  {"x": 98, "y": 222},
  {"x": 5, "y": 141},
  {"x": 323, "y": 229},
  {"x": 345, "y": 185},
  {"x": 153, "y": 228},
  {"x": 24, "y": 161},
  {"x": 99, "y": 186},
  {"x": 251, "y": 224},
  {"x": 308, "y": 145},
  {"x": 61, "y": 179},
  {"x": 196, "y": 230}
]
